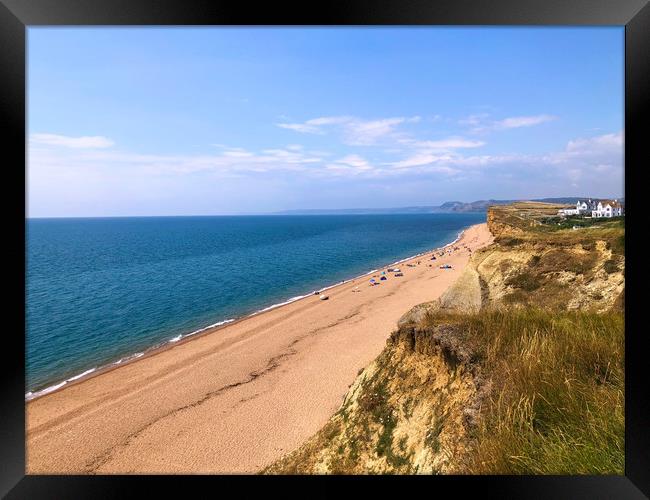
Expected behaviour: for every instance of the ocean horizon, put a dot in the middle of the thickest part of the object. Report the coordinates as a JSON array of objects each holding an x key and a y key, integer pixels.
[{"x": 103, "y": 290}]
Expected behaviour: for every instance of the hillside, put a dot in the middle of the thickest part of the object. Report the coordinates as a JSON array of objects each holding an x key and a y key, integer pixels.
[{"x": 517, "y": 369}]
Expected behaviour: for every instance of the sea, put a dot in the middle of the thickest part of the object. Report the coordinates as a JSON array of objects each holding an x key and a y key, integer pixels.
[{"x": 101, "y": 291}]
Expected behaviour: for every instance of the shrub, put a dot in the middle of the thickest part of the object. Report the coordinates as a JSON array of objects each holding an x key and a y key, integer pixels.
[
  {"x": 525, "y": 281},
  {"x": 508, "y": 241},
  {"x": 610, "y": 266}
]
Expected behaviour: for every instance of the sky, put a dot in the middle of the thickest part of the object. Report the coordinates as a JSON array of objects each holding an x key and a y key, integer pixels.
[{"x": 234, "y": 120}]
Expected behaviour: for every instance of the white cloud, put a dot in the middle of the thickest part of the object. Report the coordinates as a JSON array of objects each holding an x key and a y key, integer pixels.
[
  {"x": 237, "y": 154},
  {"x": 593, "y": 164},
  {"x": 605, "y": 142},
  {"x": 446, "y": 159},
  {"x": 474, "y": 120},
  {"x": 481, "y": 123},
  {"x": 523, "y": 121},
  {"x": 355, "y": 161},
  {"x": 445, "y": 144},
  {"x": 420, "y": 159},
  {"x": 84, "y": 142},
  {"x": 301, "y": 127},
  {"x": 229, "y": 162},
  {"x": 329, "y": 120},
  {"x": 355, "y": 131},
  {"x": 364, "y": 133}
]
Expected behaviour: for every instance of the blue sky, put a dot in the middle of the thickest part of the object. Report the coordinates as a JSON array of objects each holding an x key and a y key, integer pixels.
[{"x": 181, "y": 121}]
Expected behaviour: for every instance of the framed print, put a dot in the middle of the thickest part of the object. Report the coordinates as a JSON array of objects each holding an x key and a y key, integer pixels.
[{"x": 360, "y": 245}]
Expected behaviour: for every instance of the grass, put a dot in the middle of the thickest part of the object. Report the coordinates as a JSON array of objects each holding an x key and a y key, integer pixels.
[
  {"x": 375, "y": 405},
  {"x": 536, "y": 223},
  {"x": 559, "y": 223},
  {"x": 555, "y": 250},
  {"x": 557, "y": 404}
]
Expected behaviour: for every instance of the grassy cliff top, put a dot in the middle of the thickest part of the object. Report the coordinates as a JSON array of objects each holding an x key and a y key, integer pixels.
[{"x": 538, "y": 223}]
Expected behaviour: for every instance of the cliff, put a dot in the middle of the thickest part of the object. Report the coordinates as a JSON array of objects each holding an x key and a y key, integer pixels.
[{"x": 518, "y": 368}]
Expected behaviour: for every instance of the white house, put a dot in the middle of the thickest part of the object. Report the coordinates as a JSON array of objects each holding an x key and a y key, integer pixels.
[
  {"x": 568, "y": 211},
  {"x": 603, "y": 208},
  {"x": 586, "y": 207},
  {"x": 582, "y": 207},
  {"x": 608, "y": 208}
]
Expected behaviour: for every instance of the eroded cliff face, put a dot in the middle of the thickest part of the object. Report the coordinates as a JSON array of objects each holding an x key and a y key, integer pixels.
[
  {"x": 410, "y": 411},
  {"x": 582, "y": 269}
]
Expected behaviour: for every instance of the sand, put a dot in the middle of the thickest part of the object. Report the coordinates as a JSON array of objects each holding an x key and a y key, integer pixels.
[{"x": 235, "y": 399}]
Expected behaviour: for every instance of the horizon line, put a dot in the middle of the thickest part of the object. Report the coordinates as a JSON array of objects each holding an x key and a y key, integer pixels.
[{"x": 283, "y": 211}]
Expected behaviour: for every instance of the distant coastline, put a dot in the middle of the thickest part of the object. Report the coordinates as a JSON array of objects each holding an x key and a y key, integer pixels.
[{"x": 479, "y": 206}]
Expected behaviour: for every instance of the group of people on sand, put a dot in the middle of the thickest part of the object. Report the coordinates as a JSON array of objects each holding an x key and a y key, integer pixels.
[{"x": 441, "y": 253}]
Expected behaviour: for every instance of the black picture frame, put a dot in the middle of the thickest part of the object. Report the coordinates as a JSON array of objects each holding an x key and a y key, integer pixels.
[{"x": 17, "y": 15}]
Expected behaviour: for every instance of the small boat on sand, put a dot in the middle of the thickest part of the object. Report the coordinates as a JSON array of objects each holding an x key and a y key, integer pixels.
[{"x": 323, "y": 297}]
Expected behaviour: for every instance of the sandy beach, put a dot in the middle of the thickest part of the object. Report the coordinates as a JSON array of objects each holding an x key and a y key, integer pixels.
[{"x": 235, "y": 399}]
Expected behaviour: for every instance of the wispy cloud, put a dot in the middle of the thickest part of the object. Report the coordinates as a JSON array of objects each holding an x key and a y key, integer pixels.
[
  {"x": 354, "y": 131},
  {"x": 444, "y": 144},
  {"x": 232, "y": 161},
  {"x": 583, "y": 162},
  {"x": 84, "y": 142},
  {"x": 303, "y": 128},
  {"x": 523, "y": 121},
  {"x": 481, "y": 123},
  {"x": 607, "y": 142},
  {"x": 447, "y": 159}
]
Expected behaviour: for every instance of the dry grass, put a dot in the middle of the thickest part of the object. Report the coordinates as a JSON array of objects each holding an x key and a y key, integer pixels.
[
  {"x": 530, "y": 223},
  {"x": 557, "y": 404}
]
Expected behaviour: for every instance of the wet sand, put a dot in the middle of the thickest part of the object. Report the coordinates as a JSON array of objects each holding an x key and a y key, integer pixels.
[{"x": 235, "y": 399}]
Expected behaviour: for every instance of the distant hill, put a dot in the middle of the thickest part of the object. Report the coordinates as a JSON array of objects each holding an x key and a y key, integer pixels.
[{"x": 447, "y": 207}]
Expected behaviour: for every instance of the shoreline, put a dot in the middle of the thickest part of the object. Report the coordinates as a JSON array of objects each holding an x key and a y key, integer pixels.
[
  {"x": 237, "y": 401},
  {"x": 212, "y": 328}
]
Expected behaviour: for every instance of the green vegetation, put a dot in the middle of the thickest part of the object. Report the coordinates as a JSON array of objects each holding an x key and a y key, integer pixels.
[
  {"x": 375, "y": 407},
  {"x": 559, "y": 223},
  {"x": 557, "y": 402}
]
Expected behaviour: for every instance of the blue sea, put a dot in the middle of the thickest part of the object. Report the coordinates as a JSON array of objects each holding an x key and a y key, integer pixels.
[{"x": 104, "y": 290}]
